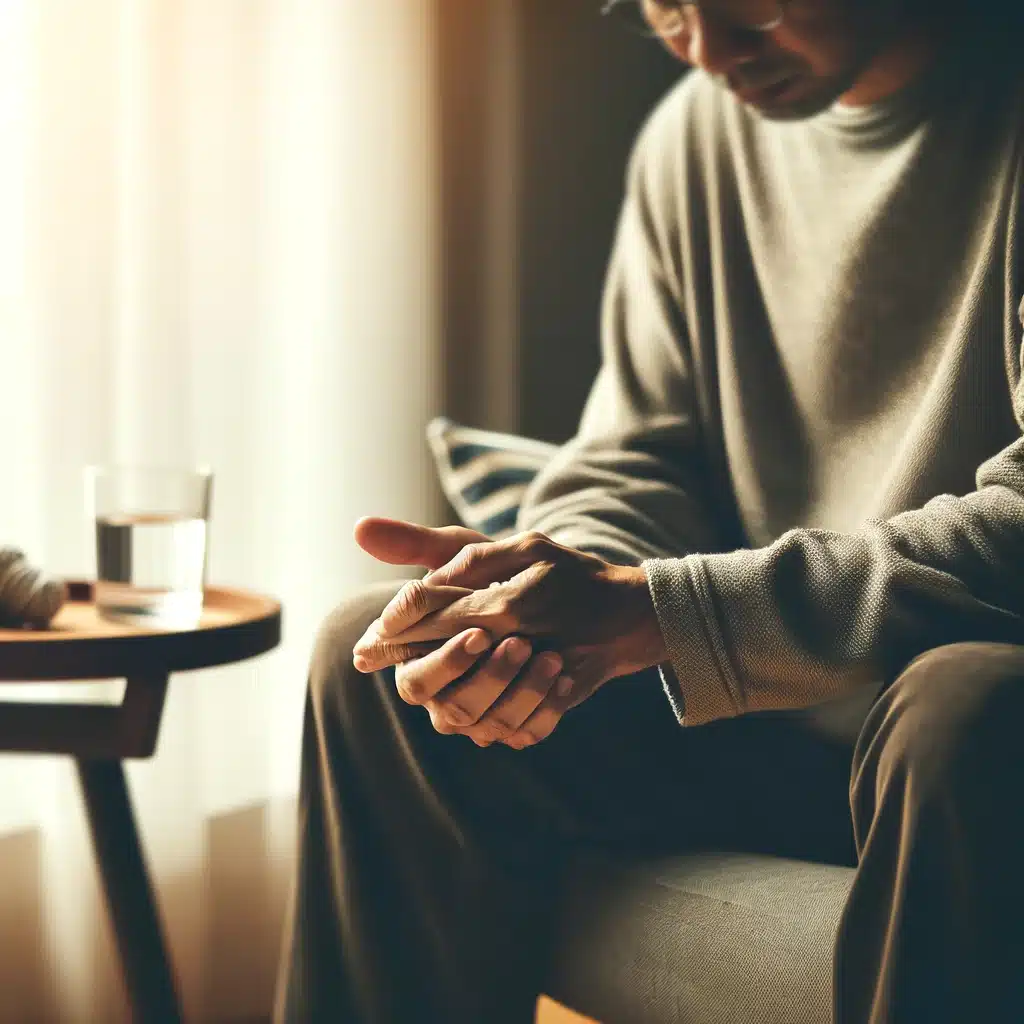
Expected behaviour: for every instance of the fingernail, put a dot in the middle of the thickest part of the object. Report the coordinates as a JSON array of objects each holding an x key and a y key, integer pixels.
[
  {"x": 564, "y": 686},
  {"x": 550, "y": 665},
  {"x": 517, "y": 651},
  {"x": 477, "y": 643},
  {"x": 360, "y": 663}
]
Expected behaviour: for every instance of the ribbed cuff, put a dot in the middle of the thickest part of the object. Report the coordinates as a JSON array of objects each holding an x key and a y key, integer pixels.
[{"x": 699, "y": 679}]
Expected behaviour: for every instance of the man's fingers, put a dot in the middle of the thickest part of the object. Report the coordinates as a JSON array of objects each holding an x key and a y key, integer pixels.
[
  {"x": 542, "y": 722},
  {"x": 509, "y": 713},
  {"x": 402, "y": 543},
  {"x": 479, "y": 608},
  {"x": 464, "y": 703},
  {"x": 383, "y": 654},
  {"x": 421, "y": 680},
  {"x": 479, "y": 565},
  {"x": 414, "y": 602}
]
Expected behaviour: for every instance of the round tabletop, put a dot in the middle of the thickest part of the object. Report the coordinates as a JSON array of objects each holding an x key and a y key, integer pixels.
[{"x": 80, "y": 644}]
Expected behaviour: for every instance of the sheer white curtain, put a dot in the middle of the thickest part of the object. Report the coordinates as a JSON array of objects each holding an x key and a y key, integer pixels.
[{"x": 217, "y": 244}]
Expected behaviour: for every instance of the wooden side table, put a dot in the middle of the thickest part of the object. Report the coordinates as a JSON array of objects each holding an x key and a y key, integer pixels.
[{"x": 80, "y": 645}]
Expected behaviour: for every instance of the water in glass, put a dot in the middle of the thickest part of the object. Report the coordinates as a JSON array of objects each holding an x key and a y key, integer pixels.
[{"x": 150, "y": 567}]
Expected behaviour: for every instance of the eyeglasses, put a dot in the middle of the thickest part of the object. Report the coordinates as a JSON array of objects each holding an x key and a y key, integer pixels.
[{"x": 668, "y": 18}]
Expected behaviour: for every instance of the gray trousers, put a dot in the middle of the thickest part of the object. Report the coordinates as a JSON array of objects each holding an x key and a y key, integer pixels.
[{"x": 429, "y": 869}]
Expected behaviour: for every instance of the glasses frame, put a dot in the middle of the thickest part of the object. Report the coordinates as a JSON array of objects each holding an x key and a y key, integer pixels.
[{"x": 680, "y": 26}]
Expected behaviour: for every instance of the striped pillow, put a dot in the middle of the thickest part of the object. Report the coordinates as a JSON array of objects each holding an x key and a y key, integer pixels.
[{"x": 485, "y": 474}]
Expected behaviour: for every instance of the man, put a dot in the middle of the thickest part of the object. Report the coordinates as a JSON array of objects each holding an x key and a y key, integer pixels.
[{"x": 798, "y": 484}]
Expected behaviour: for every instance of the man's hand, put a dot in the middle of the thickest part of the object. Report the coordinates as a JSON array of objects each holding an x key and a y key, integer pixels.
[
  {"x": 401, "y": 543},
  {"x": 600, "y": 617},
  {"x": 489, "y": 697}
]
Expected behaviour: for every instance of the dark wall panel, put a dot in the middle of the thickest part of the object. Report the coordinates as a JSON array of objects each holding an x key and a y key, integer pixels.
[{"x": 586, "y": 87}]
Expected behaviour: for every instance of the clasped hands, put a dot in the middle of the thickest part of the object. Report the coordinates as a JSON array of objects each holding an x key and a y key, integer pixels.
[{"x": 501, "y": 638}]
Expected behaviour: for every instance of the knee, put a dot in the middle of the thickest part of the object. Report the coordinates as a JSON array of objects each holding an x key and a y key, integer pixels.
[
  {"x": 331, "y": 664},
  {"x": 951, "y": 717}
]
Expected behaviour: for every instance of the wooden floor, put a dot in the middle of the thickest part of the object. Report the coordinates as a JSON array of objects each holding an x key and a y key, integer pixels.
[{"x": 550, "y": 1012}]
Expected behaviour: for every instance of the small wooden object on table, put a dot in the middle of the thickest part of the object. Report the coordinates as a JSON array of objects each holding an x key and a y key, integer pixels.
[{"x": 81, "y": 645}]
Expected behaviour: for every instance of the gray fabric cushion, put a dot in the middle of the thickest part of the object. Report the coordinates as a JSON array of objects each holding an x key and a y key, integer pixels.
[{"x": 701, "y": 939}]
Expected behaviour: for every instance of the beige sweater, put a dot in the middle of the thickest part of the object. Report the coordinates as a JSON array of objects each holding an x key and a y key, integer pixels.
[{"x": 808, "y": 419}]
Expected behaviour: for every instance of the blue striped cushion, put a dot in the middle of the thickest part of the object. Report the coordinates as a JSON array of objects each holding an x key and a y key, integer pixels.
[{"x": 485, "y": 474}]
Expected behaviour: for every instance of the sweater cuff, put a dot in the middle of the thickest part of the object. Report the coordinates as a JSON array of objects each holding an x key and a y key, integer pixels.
[{"x": 699, "y": 678}]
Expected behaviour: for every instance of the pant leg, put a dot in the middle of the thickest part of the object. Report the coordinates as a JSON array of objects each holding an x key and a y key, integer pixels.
[
  {"x": 934, "y": 928},
  {"x": 427, "y": 866}
]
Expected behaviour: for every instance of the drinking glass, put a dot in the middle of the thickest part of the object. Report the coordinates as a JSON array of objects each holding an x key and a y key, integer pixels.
[{"x": 151, "y": 528}]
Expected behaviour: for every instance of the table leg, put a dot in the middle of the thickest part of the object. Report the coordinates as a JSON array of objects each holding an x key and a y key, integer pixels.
[{"x": 133, "y": 912}]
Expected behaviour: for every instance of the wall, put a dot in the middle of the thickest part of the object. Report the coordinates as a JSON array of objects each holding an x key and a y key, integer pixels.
[
  {"x": 541, "y": 101},
  {"x": 586, "y": 87}
]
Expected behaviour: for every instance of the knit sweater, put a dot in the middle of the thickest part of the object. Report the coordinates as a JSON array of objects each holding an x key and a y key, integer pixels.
[{"x": 807, "y": 423}]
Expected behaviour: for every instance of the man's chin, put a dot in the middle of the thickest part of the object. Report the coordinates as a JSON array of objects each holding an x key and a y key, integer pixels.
[
  {"x": 793, "y": 102},
  {"x": 796, "y": 111}
]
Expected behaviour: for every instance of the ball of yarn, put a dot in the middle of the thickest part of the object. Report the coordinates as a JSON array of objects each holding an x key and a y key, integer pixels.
[{"x": 28, "y": 596}]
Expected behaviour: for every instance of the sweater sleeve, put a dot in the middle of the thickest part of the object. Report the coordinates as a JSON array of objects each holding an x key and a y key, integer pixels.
[
  {"x": 816, "y": 614},
  {"x": 634, "y": 482}
]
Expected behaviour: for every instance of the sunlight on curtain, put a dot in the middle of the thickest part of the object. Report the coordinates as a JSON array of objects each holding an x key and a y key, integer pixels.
[{"x": 217, "y": 239}]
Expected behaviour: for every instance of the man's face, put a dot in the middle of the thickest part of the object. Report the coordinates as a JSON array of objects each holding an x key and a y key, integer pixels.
[{"x": 818, "y": 53}]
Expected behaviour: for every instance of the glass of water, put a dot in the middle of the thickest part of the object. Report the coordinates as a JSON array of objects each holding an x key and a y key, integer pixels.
[{"x": 151, "y": 527}]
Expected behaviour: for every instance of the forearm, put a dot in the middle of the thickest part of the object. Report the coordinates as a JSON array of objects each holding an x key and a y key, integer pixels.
[
  {"x": 817, "y": 614},
  {"x": 638, "y": 480},
  {"x": 630, "y": 495}
]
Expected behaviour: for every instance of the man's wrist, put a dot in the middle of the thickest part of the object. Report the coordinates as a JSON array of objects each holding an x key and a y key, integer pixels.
[{"x": 641, "y": 642}]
